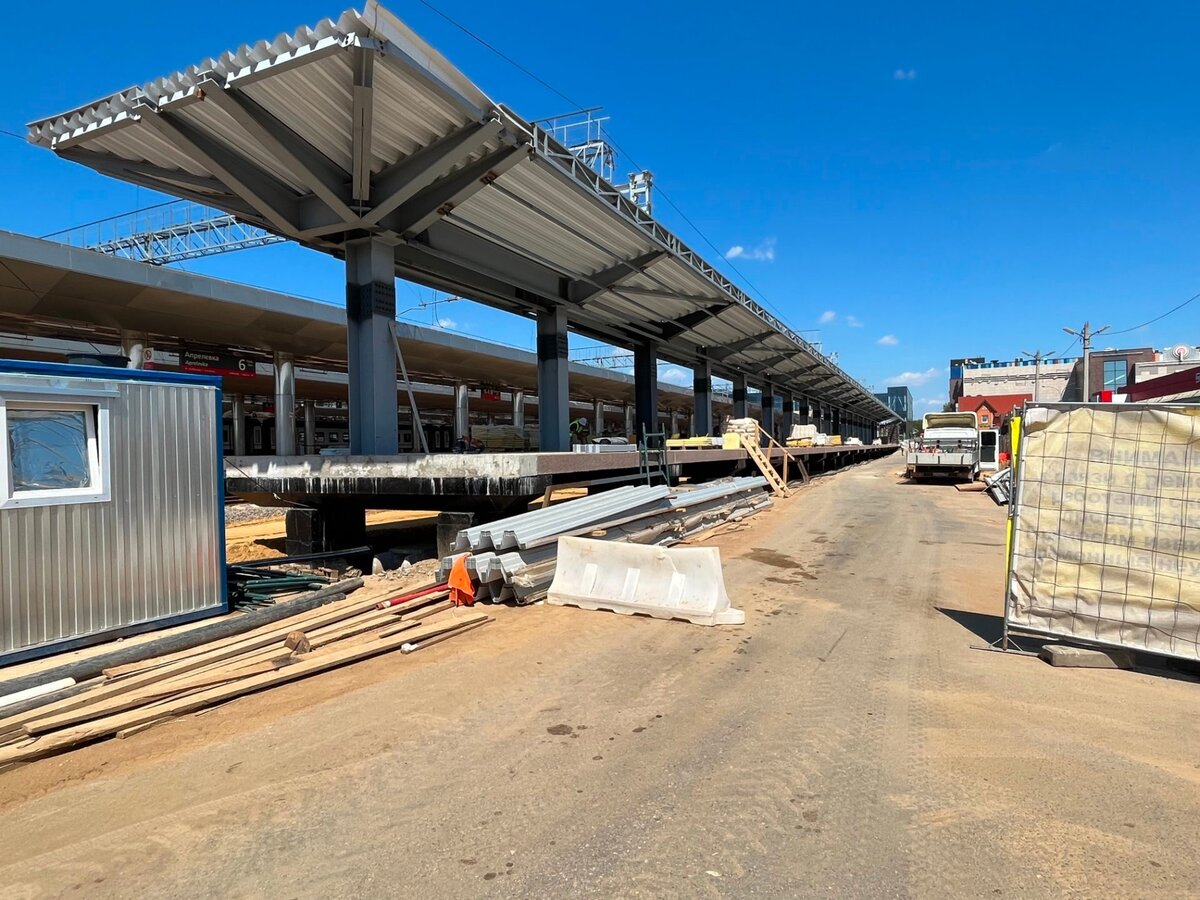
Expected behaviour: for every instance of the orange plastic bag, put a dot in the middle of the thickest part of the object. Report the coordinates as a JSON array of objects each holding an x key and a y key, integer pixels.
[{"x": 462, "y": 589}]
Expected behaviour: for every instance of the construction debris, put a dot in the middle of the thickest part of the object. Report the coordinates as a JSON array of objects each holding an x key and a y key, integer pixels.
[
  {"x": 134, "y": 695},
  {"x": 682, "y": 583},
  {"x": 514, "y": 559},
  {"x": 1000, "y": 486}
]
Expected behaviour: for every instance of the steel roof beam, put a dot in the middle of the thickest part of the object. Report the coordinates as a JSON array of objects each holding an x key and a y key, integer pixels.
[
  {"x": 273, "y": 200},
  {"x": 427, "y": 207},
  {"x": 582, "y": 292},
  {"x": 153, "y": 176},
  {"x": 738, "y": 346},
  {"x": 362, "y": 109},
  {"x": 311, "y": 167},
  {"x": 402, "y": 181},
  {"x": 513, "y": 282},
  {"x": 776, "y": 360},
  {"x": 676, "y": 327}
]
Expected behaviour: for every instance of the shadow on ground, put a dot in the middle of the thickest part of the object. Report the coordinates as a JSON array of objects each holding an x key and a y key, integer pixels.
[{"x": 985, "y": 627}]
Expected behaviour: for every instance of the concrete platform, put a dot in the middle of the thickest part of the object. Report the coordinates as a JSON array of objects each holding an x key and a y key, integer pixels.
[
  {"x": 477, "y": 481},
  {"x": 330, "y": 495}
]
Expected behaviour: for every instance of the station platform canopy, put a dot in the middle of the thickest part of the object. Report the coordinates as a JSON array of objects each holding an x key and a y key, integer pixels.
[
  {"x": 356, "y": 128},
  {"x": 50, "y": 290}
]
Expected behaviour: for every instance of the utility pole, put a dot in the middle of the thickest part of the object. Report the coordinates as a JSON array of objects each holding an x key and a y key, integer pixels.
[
  {"x": 1037, "y": 358},
  {"x": 1086, "y": 334}
]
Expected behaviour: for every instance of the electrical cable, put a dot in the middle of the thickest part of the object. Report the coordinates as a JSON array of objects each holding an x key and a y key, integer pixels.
[
  {"x": 1173, "y": 309},
  {"x": 13, "y": 134}
]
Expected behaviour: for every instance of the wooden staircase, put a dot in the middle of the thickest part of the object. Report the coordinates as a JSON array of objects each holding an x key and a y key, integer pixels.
[{"x": 777, "y": 483}]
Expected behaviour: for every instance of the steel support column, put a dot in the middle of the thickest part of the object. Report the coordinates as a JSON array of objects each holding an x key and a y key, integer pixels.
[
  {"x": 518, "y": 415},
  {"x": 370, "y": 311},
  {"x": 767, "y": 413},
  {"x": 789, "y": 415},
  {"x": 674, "y": 423},
  {"x": 597, "y": 418},
  {"x": 804, "y": 416},
  {"x": 285, "y": 405},
  {"x": 739, "y": 396},
  {"x": 645, "y": 390},
  {"x": 554, "y": 405},
  {"x": 630, "y": 423},
  {"x": 238, "y": 414},
  {"x": 702, "y": 405},
  {"x": 310, "y": 427}
]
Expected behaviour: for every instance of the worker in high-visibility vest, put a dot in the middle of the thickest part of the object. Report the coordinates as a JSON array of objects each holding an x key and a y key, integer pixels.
[{"x": 579, "y": 430}]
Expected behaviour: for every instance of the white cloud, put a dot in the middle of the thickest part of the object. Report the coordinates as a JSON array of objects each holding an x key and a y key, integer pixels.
[
  {"x": 931, "y": 402},
  {"x": 854, "y": 322},
  {"x": 914, "y": 379},
  {"x": 828, "y": 316},
  {"x": 675, "y": 375},
  {"x": 888, "y": 340},
  {"x": 764, "y": 252},
  {"x": 446, "y": 322},
  {"x": 904, "y": 75}
]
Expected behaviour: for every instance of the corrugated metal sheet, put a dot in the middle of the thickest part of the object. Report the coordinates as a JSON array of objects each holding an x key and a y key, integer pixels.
[
  {"x": 152, "y": 551},
  {"x": 548, "y": 208}
]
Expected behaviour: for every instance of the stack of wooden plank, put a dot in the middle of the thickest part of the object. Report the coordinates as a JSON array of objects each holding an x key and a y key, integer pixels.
[
  {"x": 131, "y": 697},
  {"x": 500, "y": 437}
]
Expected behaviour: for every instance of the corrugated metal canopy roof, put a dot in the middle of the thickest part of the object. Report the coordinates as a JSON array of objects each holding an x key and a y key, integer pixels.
[{"x": 358, "y": 127}]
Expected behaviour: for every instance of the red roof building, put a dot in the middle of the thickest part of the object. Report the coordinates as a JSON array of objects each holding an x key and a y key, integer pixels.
[{"x": 992, "y": 410}]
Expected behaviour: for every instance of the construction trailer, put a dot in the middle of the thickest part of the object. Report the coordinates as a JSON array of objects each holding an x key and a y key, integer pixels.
[{"x": 111, "y": 504}]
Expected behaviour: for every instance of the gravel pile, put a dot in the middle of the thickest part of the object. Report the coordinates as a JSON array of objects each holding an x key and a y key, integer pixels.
[{"x": 241, "y": 513}]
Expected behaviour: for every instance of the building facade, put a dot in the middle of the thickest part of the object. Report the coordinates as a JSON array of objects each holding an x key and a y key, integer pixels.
[
  {"x": 900, "y": 401},
  {"x": 1018, "y": 376}
]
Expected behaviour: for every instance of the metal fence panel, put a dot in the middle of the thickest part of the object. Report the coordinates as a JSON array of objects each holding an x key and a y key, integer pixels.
[{"x": 1106, "y": 526}]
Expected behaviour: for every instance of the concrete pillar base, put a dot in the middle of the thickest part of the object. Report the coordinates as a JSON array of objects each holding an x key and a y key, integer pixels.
[
  {"x": 449, "y": 524},
  {"x": 326, "y": 528}
]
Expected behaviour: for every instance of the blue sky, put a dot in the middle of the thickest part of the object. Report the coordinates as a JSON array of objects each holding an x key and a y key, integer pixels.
[{"x": 916, "y": 181}]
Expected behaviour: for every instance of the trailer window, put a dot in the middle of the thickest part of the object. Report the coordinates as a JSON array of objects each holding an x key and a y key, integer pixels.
[{"x": 51, "y": 453}]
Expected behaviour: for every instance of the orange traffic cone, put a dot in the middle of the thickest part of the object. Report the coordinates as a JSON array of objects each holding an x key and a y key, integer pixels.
[{"x": 462, "y": 590}]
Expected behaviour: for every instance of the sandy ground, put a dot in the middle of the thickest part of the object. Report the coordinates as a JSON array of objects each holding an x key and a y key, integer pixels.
[
  {"x": 264, "y": 538},
  {"x": 846, "y": 742}
]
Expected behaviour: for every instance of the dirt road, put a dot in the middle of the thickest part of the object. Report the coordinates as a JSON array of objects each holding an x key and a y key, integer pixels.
[{"x": 846, "y": 742}]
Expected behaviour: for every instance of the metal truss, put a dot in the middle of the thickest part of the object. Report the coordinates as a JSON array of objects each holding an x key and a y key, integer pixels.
[{"x": 168, "y": 233}]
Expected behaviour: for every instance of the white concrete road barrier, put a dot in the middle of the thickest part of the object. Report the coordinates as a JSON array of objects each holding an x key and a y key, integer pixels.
[{"x": 679, "y": 583}]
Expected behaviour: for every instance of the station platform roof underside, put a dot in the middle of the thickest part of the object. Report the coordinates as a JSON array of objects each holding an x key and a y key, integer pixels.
[
  {"x": 357, "y": 129},
  {"x": 50, "y": 290}
]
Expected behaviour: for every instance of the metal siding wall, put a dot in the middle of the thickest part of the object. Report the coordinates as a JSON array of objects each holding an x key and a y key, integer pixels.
[{"x": 151, "y": 552}]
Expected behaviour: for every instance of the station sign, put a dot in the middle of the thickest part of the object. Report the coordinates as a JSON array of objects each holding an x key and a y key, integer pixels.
[
  {"x": 489, "y": 394},
  {"x": 216, "y": 362}
]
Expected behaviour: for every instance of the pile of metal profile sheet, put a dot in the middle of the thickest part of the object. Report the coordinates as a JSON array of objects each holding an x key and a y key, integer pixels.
[
  {"x": 514, "y": 558},
  {"x": 1000, "y": 486}
]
